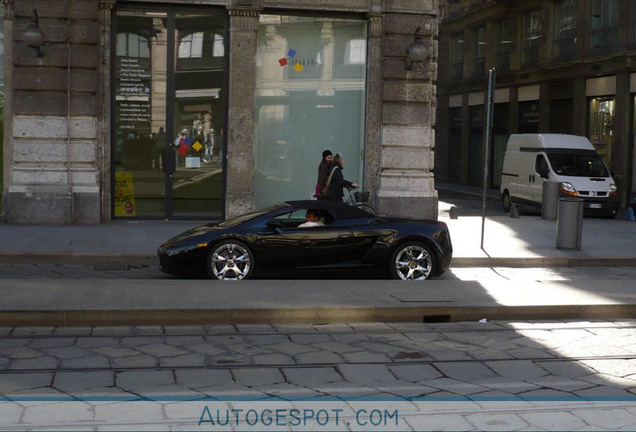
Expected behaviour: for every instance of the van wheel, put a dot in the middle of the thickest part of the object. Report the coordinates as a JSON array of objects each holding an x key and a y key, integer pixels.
[{"x": 507, "y": 202}]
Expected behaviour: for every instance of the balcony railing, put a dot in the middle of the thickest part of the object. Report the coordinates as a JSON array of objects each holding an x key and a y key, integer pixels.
[
  {"x": 564, "y": 49},
  {"x": 530, "y": 56},
  {"x": 479, "y": 67},
  {"x": 503, "y": 62},
  {"x": 603, "y": 41},
  {"x": 457, "y": 71}
]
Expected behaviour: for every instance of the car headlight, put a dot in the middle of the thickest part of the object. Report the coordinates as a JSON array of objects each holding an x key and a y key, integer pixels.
[
  {"x": 613, "y": 189},
  {"x": 568, "y": 189}
]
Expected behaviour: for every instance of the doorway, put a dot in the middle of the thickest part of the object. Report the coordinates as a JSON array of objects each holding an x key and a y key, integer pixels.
[{"x": 169, "y": 103}]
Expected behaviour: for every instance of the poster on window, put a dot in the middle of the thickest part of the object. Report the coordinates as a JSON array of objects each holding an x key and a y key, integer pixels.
[{"x": 124, "y": 194}]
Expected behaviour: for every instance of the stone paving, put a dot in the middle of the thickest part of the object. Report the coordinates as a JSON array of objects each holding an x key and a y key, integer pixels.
[{"x": 484, "y": 361}]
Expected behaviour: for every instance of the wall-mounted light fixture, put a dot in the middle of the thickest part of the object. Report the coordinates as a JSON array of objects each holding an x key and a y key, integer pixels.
[
  {"x": 33, "y": 35},
  {"x": 417, "y": 50}
]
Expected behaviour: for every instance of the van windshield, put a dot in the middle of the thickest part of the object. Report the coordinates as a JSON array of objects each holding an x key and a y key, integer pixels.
[{"x": 578, "y": 165}]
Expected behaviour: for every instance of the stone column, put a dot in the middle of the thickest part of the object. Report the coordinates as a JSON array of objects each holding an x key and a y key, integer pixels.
[
  {"x": 374, "y": 105},
  {"x": 8, "y": 100},
  {"x": 239, "y": 191},
  {"x": 54, "y": 174},
  {"x": 408, "y": 114}
]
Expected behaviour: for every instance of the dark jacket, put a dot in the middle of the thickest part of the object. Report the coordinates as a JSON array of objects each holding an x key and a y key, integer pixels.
[
  {"x": 323, "y": 173},
  {"x": 335, "y": 192}
]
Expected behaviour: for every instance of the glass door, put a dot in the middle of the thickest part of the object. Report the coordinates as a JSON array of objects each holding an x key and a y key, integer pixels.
[{"x": 169, "y": 105}]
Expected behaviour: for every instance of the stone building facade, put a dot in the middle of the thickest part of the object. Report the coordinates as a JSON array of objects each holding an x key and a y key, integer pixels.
[
  {"x": 566, "y": 66},
  {"x": 90, "y": 125}
]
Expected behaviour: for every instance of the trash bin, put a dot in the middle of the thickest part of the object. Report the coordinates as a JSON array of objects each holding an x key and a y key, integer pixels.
[
  {"x": 569, "y": 223},
  {"x": 550, "y": 200}
]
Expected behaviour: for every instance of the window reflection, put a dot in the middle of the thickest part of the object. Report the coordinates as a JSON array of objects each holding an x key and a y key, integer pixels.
[
  {"x": 169, "y": 121},
  {"x": 310, "y": 96}
]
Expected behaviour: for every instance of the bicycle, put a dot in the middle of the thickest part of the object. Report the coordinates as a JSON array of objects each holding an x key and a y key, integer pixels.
[{"x": 358, "y": 199}]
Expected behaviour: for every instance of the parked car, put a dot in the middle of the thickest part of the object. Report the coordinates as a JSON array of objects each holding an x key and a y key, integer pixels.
[
  {"x": 270, "y": 240},
  {"x": 532, "y": 159}
]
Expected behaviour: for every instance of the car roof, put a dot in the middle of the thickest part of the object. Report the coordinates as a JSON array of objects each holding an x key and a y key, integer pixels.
[{"x": 339, "y": 209}]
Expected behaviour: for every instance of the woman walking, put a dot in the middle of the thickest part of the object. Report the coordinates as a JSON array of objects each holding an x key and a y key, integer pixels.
[
  {"x": 337, "y": 180},
  {"x": 324, "y": 168}
]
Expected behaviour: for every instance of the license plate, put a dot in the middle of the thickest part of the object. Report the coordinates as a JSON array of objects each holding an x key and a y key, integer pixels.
[{"x": 595, "y": 206}]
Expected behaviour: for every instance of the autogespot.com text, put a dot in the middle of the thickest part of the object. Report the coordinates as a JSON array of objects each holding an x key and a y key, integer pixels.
[{"x": 314, "y": 414}]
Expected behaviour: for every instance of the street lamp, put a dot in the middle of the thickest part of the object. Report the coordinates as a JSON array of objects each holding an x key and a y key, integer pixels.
[
  {"x": 33, "y": 35},
  {"x": 417, "y": 50}
]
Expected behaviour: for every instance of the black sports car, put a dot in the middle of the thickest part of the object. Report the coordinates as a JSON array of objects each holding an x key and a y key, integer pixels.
[{"x": 272, "y": 240}]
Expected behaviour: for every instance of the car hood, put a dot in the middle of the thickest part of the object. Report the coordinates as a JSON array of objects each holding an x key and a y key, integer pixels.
[{"x": 192, "y": 233}]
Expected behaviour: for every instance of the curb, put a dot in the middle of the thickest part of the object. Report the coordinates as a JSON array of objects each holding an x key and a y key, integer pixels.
[
  {"x": 543, "y": 262},
  {"x": 79, "y": 259},
  {"x": 427, "y": 314},
  {"x": 458, "y": 262}
]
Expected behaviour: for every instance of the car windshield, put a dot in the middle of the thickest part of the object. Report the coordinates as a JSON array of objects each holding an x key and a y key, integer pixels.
[
  {"x": 578, "y": 165},
  {"x": 249, "y": 216}
]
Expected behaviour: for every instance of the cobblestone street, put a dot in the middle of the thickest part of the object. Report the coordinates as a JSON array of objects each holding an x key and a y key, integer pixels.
[{"x": 488, "y": 361}]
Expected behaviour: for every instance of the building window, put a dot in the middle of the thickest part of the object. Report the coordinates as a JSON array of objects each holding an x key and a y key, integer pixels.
[
  {"x": 504, "y": 45},
  {"x": 601, "y": 126},
  {"x": 479, "y": 51},
  {"x": 529, "y": 117},
  {"x": 604, "y": 26},
  {"x": 132, "y": 45},
  {"x": 456, "y": 56},
  {"x": 564, "y": 29},
  {"x": 200, "y": 44},
  {"x": 356, "y": 52},
  {"x": 310, "y": 72},
  {"x": 532, "y": 35}
]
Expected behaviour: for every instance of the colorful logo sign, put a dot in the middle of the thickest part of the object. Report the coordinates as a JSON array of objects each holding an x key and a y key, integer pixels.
[{"x": 291, "y": 56}]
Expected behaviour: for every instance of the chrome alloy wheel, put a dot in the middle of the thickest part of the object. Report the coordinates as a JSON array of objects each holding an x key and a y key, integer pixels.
[
  {"x": 230, "y": 261},
  {"x": 413, "y": 262}
]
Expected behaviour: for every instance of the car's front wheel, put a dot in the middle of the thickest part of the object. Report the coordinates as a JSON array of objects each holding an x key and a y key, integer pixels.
[
  {"x": 412, "y": 261},
  {"x": 230, "y": 260}
]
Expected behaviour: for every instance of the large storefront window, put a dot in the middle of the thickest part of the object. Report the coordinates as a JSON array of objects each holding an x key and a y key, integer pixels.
[
  {"x": 310, "y": 96},
  {"x": 169, "y": 114},
  {"x": 601, "y": 127}
]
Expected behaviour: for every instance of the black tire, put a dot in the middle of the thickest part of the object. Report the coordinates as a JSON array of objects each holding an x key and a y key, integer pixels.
[
  {"x": 507, "y": 201},
  {"x": 230, "y": 260},
  {"x": 413, "y": 260}
]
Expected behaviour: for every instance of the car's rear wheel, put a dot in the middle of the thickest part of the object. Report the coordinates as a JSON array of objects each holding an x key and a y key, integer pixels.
[
  {"x": 230, "y": 260},
  {"x": 507, "y": 201},
  {"x": 412, "y": 261}
]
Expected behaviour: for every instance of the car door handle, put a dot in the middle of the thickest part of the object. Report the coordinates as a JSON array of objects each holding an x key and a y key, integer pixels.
[{"x": 348, "y": 235}]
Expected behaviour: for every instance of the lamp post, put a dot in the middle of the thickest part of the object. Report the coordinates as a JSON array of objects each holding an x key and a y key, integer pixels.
[
  {"x": 417, "y": 50},
  {"x": 33, "y": 35}
]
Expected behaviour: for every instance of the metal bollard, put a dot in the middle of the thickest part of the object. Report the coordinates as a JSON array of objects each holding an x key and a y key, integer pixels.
[
  {"x": 569, "y": 224},
  {"x": 550, "y": 200}
]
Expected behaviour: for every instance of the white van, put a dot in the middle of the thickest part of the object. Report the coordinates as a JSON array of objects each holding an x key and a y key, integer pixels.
[{"x": 532, "y": 159}]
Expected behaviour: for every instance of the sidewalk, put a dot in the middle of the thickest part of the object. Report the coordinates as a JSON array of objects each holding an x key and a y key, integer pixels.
[{"x": 527, "y": 241}]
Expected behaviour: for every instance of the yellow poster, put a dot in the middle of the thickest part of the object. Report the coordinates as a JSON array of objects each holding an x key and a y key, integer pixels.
[{"x": 124, "y": 194}]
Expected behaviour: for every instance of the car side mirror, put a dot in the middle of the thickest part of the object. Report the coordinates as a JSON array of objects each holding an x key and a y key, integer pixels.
[{"x": 275, "y": 224}]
